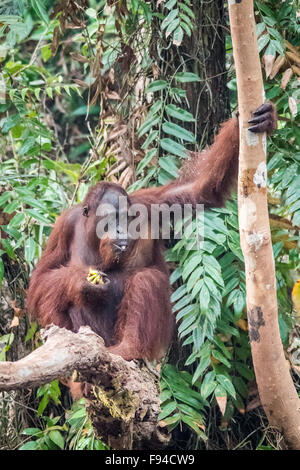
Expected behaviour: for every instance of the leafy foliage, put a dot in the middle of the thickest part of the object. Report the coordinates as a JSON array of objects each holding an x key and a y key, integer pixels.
[
  {"x": 180, "y": 404},
  {"x": 210, "y": 301},
  {"x": 75, "y": 433}
]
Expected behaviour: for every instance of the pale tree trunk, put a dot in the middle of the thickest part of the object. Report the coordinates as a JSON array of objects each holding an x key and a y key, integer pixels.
[{"x": 277, "y": 392}]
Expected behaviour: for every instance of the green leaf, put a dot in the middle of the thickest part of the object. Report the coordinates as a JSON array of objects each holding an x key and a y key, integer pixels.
[
  {"x": 146, "y": 160},
  {"x": 192, "y": 424},
  {"x": 204, "y": 298},
  {"x": 173, "y": 147},
  {"x": 10, "y": 122},
  {"x": 222, "y": 346},
  {"x": 294, "y": 207},
  {"x": 188, "y": 310},
  {"x": 29, "y": 248},
  {"x": 178, "y": 92},
  {"x": 208, "y": 384},
  {"x": 167, "y": 410},
  {"x": 186, "y": 323},
  {"x": 157, "y": 85},
  {"x": 165, "y": 395},
  {"x": 178, "y": 131},
  {"x": 4, "y": 107},
  {"x": 147, "y": 125},
  {"x": 194, "y": 277},
  {"x": 219, "y": 356},
  {"x": 193, "y": 262},
  {"x": 225, "y": 328},
  {"x": 186, "y": 26},
  {"x": 260, "y": 27},
  {"x": 169, "y": 18},
  {"x": 180, "y": 292},
  {"x": 244, "y": 370},
  {"x": 167, "y": 163},
  {"x": 12, "y": 206},
  {"x": 151, "y": 137},
  {"x": 179, "y": 113},
  {"x": 31, "y": 331},
  {"x": 169, "y": 5},
  {"x": 37, "y": 92},
  {"x": 36, "y": 215},
  {"x": 46, "y": 52},
  {"x": 240, "y": 386},
  {"x": 214, "y": 290},
  {"x": 184, "y": 77},
  {"x": 271, "y": 49},
  {"x": 263, "y": 41},
  {"x": 40, "y": 10},
  {"x": 157, "y": 105},
  {"x": 211, "y": 261},
  {"x": 31, "y": 445},
  {"x": 178, "y": 36},
  {"x": 182, "y": 303},
  {"x": 57, "y": 438},
  {"x": 49, "y": 91},
  {"x": 191, "y": 412},
  {"x": 175, "y": 419},
  {"x": 184, "y": 7},
  {"x": 296, "y": 218},
  {"x": 31, "y": 431},
  {"x": 147, "y": 12},
  {"x": 220, "y": 391},
  {"x": 176, "y": 274},
  {"x": 197, "y": 287},
  {"x": 265, "y": 9},
  {"x": 164, "y": 177},
  {"x": 78, "y": 415},
  {"x": 91, "y": 12},
  {"x": 28, "y": 144},
  {"x": 204, "y": 364},
  {"x": 190, "y": 397},
  {"x": 215, "y": 274},
  {"x": 6, "y": 245},
  {"x": 275, "y": 34},
  {"x": 5, "y": 197},
  {"x": 42, "y": 405},
  {"x": 24, "y": 92},
  {"x": 239, "y": 303},
  {"x": 173, "y": 25},
  {"x": 226, "y": 384},
  {"x": 277, "y": 45}
]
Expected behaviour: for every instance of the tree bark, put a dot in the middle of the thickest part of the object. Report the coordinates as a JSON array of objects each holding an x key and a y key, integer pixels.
[
  {"x": 122, "y": 398},
  {"x": 204, "y": 54},
  {"x": 277, "y": 392}
]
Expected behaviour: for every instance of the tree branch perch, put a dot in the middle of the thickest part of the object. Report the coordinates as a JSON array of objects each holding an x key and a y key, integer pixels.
[{"x": 122, "y": 398}]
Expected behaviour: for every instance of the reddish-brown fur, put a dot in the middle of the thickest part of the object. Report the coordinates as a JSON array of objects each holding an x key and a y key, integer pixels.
[{"x": 132, "y": 312}]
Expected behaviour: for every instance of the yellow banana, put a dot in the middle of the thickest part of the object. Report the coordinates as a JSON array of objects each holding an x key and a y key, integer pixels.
[{"x": 94, "y": 277}]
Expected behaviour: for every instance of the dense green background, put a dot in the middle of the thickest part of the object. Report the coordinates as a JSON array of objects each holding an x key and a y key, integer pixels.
[{"x": 101, "y": 90}]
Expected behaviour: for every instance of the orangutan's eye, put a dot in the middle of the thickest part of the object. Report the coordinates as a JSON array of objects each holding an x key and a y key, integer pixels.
[{"x": 85, "y": 211}]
